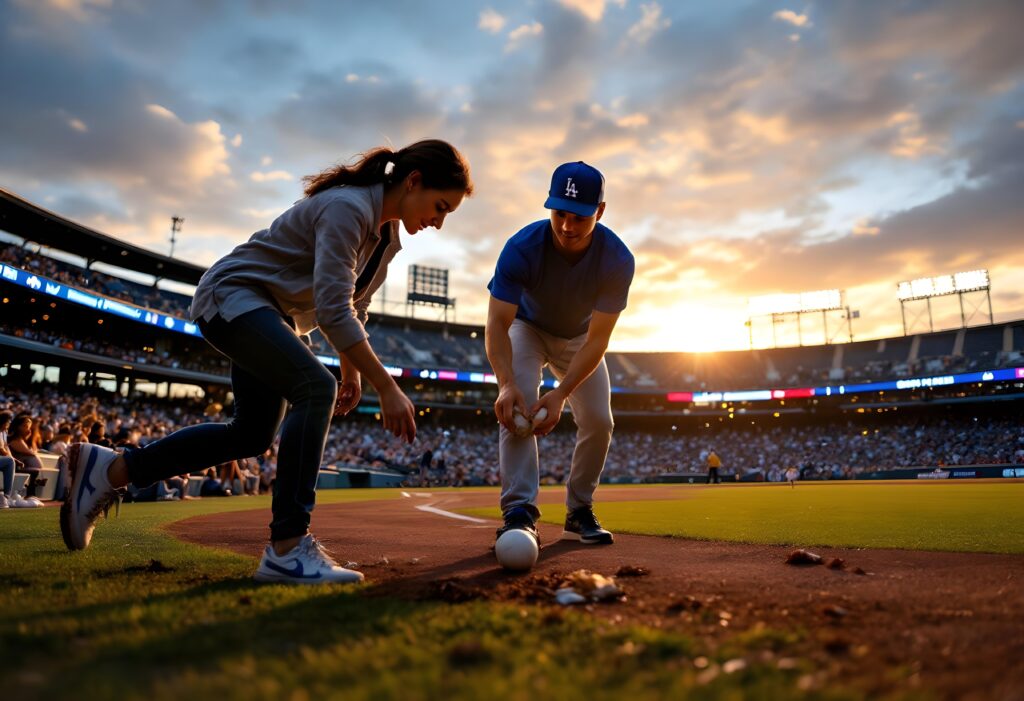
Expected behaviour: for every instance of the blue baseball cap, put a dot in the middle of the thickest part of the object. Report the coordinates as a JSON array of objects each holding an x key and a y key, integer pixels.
[{"x": 577, "y": 188}]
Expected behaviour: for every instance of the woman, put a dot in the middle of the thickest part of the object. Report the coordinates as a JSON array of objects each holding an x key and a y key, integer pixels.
[
  {"x": 98, "y": 435},
  {"x": 7, "y": 463},
  {"x": 317, "y": 265},
  {"x": 21, "y": 443}
]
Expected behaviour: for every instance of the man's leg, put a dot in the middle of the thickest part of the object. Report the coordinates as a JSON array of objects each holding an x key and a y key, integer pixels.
[
  {"x": 517, "y": 457},
  {"x": 591, "y": 409}
]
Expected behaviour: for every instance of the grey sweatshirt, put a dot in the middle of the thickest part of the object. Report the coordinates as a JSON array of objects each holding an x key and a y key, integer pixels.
[{"x": 306, "y": 265}]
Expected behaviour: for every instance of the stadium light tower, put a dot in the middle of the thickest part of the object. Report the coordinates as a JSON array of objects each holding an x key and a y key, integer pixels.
[
  {"x": 781, "y": 306},
  {"x": 428, "y": 287},
  {"x": 176, "y": 223},
  {"x": 959, "y": 284}
]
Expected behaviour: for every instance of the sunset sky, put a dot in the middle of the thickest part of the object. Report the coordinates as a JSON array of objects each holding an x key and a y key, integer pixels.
[{"x": 749, "y": 149}]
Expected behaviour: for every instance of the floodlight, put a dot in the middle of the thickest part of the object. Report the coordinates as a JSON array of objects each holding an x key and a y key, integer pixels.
[
  {"x": 940, "y": 285},
  {"x": 971, "y": 280}
]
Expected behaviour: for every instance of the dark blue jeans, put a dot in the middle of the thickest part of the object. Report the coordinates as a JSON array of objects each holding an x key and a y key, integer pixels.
[{"x": 270, "y": 369}]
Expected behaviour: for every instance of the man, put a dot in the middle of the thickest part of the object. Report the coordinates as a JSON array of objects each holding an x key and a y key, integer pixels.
[
  {"x": 713, "y": 462},
  {"x": 557, "y": 292}
]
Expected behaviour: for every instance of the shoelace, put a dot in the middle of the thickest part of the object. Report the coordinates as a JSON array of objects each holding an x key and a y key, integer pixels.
[
  {"x": 314, "y": 548},
  {"x": 586, "y": 517},
  {"x": 103, "y": 504}
]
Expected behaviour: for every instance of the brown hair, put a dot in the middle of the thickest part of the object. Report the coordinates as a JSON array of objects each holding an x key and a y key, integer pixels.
[{"x": 438, "y": 162}]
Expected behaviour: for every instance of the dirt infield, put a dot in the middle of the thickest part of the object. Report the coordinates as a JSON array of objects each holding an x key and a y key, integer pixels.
[{"x": 951, "y": 623}]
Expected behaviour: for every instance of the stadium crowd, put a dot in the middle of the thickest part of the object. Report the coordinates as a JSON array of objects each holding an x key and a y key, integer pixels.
[
  {"x": 408, "y": 347},
  {"x": 53, "y": 420},
  {"x": 208, "y": 361},
  {"x": 834, "y": 450},
  {"x": 466, "y": 454},
  {"x": 147, "y": 296}
]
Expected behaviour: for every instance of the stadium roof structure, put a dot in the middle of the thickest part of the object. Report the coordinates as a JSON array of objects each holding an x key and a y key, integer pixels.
[{"x": 31, "y": 222}]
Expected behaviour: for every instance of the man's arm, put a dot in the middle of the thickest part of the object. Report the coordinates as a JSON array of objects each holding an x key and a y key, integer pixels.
[
  {"x": 581, "y": 367},
  {"x": 500, "y": 316}
]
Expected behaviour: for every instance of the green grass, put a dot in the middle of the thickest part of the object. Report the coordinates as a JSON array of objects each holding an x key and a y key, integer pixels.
[
  {"x": 105, "y": 624},
  {"x": 955, "y": 516}
]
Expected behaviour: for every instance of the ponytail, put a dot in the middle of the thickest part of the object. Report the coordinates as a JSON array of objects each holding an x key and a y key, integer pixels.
[{"x": 441, "y": 166}]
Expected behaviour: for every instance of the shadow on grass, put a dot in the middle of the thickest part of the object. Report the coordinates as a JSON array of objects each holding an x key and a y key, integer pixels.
[{"x": 218, "y": 623}]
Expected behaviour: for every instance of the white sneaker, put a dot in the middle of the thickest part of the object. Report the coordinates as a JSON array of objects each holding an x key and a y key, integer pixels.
[
  {"x": 18, "y": 501},
  {"x": 306, "y": 563},
  {"x": 90, "y": 493},
  {"x": 3, "y": 501},
  {"x": 36, "y": 502}
]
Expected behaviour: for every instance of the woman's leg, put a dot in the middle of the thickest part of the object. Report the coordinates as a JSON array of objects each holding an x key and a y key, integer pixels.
[
  {"x": 7, "y": 468},
  {"x": 270, "y": 368}
]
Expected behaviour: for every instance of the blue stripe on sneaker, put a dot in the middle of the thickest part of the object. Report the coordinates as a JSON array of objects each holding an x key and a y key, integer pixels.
[
  {"x": 295, "y": 572},
  {"x": 85, "y": 482}
]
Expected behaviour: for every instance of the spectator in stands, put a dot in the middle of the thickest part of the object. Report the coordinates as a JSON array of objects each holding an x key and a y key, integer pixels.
[
  {"x": 7, "y": 462},
  {"x": 98, "y": 435},
  {"x": 558, "y": 289},
  {"x": 319, "y": 263},
  {"x": 22, "y": 448},
  {"x": 212, "y": 485}
]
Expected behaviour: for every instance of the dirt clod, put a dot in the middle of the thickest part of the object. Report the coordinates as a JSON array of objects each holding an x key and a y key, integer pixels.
[
  {"x": 454, "y": 591},
  {"x": 632, "y": 571},
  {"x": 686, "y": 603},
  {"x": 804, "y": 557},
  {"x": 836, "y": 612}
]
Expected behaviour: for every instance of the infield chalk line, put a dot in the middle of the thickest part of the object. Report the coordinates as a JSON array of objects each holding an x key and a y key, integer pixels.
[{"x": 449, "y": 514}]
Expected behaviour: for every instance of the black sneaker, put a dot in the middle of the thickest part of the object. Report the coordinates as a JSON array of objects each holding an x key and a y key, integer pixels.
[
  {"x": 582, "y": 525},
  {"x": 518, "y": 517}
]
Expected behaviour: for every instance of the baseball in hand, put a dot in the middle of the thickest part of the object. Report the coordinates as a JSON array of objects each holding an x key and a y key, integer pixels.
[
  {"x": 539, "y": 418},
  {"x": 523, "y": 426}
]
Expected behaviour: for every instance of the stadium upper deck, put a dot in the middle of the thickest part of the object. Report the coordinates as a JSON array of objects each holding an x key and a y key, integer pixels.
[{"x": 439, "y": 351}]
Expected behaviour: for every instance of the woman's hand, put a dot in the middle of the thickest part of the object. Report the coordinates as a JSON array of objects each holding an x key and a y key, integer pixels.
[
  {"x": 398, "y": 413},
  {"x": 349, "y": 394}
]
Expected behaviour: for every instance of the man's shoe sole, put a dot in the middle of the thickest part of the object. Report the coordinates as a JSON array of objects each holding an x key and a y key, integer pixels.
[{"x": 570, "y": 535}]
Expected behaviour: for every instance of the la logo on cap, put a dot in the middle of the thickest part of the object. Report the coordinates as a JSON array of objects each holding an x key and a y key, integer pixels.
[{"x": 576, "y": 187}]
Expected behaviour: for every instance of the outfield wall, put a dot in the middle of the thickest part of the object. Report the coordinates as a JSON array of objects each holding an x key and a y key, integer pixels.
[{"x": 958, "y": 472}]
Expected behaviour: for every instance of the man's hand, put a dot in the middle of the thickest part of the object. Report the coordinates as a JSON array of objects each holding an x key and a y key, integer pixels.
[
  {"x": 553, "y": 402},
  {"x": 349, "y": 394},
  {"x": 509, "y": 399}
]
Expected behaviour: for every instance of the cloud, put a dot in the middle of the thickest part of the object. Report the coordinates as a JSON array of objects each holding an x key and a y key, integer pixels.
[
  {"x": 650, "y": 23},
  {"x": 78, "y": 10},
  {"x": 261, "y": 177},
  {"x": 491, "y": 21},
  {"x": 908, "y": 140},
  {"x": 793, "y": 18},
  {"x": 738, "y": 162},
  {"x": 351, "y": 116},
  {"x": 521, "y": 33},
  {"x": 864, "y": 227},
  {"x": 593, "y": 10}
]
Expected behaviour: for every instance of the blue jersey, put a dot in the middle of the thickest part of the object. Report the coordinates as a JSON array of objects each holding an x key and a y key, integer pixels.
[{"x": 555, "y": 295}]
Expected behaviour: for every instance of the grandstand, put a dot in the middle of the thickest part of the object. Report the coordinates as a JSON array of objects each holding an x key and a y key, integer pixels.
[{"x": 67, "y": 327}]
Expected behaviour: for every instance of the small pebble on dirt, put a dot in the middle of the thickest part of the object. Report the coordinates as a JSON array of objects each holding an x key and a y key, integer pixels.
[
  {"x": 836, "y": 612},
  {"x": 686, "y": 603}
]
